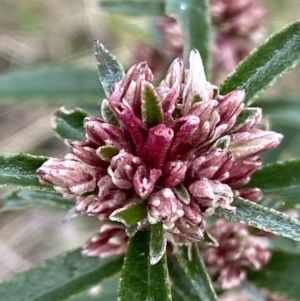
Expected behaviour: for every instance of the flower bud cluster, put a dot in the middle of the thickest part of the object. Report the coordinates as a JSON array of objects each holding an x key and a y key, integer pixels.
[{"x": 189, "y": 158}]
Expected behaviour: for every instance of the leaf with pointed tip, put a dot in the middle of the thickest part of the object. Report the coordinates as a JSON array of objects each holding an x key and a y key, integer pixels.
[
  {"x": 69, "y": 124},
  {"x": 23, "y": 199},
  {"x": 196, "y": 272},
  {"x": 139, "y": 279},
  {"x": 158, "y": 243},
  {"x": 59, "y": 278},
  {"x": 107, "y": 291},
  {"x": 110, "y": 70},
  {"x": 20, "y": 171},
  {"x": 266, "y": 64},
  {"x": 263, "y": 218},
  {"x": 245, "y": 116},
  {"x": 107, "y": 113},
  {"x": 152, "y": 112},
  {"x": 280, "y": 275},
  {"x": 107, "y": 152},
  {"x": 279, "y": 181},
  {"x": 194, "y": 17},
  {"x": 134, "y": 7},
  {"x": 182, "y": 193},
  {"x": 182, "y": 288},
  {"x": 130, "y": 214}
]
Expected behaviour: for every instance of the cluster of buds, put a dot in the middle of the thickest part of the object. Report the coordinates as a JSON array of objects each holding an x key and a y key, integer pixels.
[
  {"x": 180, "y": 148},
  {"x": 234, "y": 251},
  {"x": 237, "y": 30}
]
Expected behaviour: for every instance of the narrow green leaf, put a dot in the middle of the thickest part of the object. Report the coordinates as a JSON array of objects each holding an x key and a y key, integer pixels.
[
  {"x": 281, "y": 275},
  {"x": 266, "y": 64},
  {"x": 23, "y": 199},
  {"x": 279, "y": 181},
  {"x": 59, "y": 278},
  {"x": 245, "y": 116},
  {"x": 130, "y": 214},
  {"x": 263, "y": 218},
  {"x": 139, "y": 279},
  {"x": 110, "y": 70},
  {"x": 196, "y": 272},
  {"x": 152, "y": 112},
  {"x": 134, "y": 7},
  {"x": 107, "y": 152},
  {"x": 182, "y": 193},
  {"x": 107, "y": 113},
  {"x": 20, "y": 171},
  {"x": 181, "y": 284},
  {"x": 158, "y": 243},
  {"x": 107, "y": 291},
  {"x": 68, "y": 83},
  {"x": 194, "y": 18},
  {"x": 69, "y": 124}
]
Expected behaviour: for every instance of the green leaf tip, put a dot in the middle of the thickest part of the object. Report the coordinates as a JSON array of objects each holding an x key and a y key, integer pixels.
[
  {"x": 131, "y": 214},
  {"x": 110, "y": 70},
  {"x": 107, "y": 152},
  {"x": 266, "y": 64},
  {"x": 152, "y": 113},
  {"x": 263, "y": 218},
  {"x": 158, "y": 243}
]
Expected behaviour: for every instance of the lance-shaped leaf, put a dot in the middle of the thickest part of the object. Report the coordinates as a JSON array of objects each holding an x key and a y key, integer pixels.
[
  {"x": 110, "y": 70},
  {"x": 107, "y": 291},
  {"x": 263, "y": 218},
  {"x": 158, "y": 243},
  {"x": 107, "y": 152},
  {"x": 281, "y": 275},
  {"x": 152, "y": 112},
  {"x": 20, "y": 171},
  {"x": 134, "y": 7},
  {"x": 182, "y": 288},
  {"x": 59, "y": 278},
  {"x": 107, "y": 113},
  {"x": 139, "y": 279},
  {"x": 196, "y": 272},
  {"x": 245, "y": 116},
  {"x": 266, "y": 64},
  {"x": 130, "y": 214},
  {"x": 279, "y": 181},
  {"x": 23, "y": 199},
  {"x": 182, "y": 193},
  {"x": 68, "y": 124},
  {"x": 194, "y": 17},
  {"x": 51, "y": 83}
]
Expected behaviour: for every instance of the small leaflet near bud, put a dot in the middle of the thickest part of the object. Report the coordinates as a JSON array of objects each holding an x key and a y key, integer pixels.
[
  {"x": 107, "y": 152},
  {"x": 158, "y": 243},
  {"x": 245, "y": 117},
  {"x": 130, "y": 214},
  {"x": 182, "y": 193},
  {"x": 152, "y": 112},
  {"x": 107, "y": 113},
  {"x": 222, "y": 143},
  {"x": 110, "y": 70}
]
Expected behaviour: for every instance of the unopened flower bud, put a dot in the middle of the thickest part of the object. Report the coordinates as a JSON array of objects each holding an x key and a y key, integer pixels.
[
  {"x": 174, "y": 173},
  {"x": 69, "y": 176},
  {"x": 109, "y": 241},
  {"x": 164, "y": 206}
]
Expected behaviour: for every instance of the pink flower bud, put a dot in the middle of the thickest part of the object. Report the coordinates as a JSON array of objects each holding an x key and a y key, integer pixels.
[
  {"x": 164, "y": 206},
  {"x": 69, "y": 176},
  {"x": 122, "y": 169},
  {"x": 174, "y": 173},
  {"x": 248, "y": 144},
  {"x": 252, "y": 194},
  {"x": 109, "y": 241},
  {"x": 212, "y": 165},
  {"x": 144, "y": 180},
  {"x": 212, "y": 194}
]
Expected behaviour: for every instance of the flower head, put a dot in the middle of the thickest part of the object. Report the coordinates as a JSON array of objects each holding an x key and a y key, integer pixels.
[{"x": 180, "y": 148}]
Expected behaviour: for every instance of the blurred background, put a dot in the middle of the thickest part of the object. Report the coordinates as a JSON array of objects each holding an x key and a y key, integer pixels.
[{"x": 42, "y": 34}]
